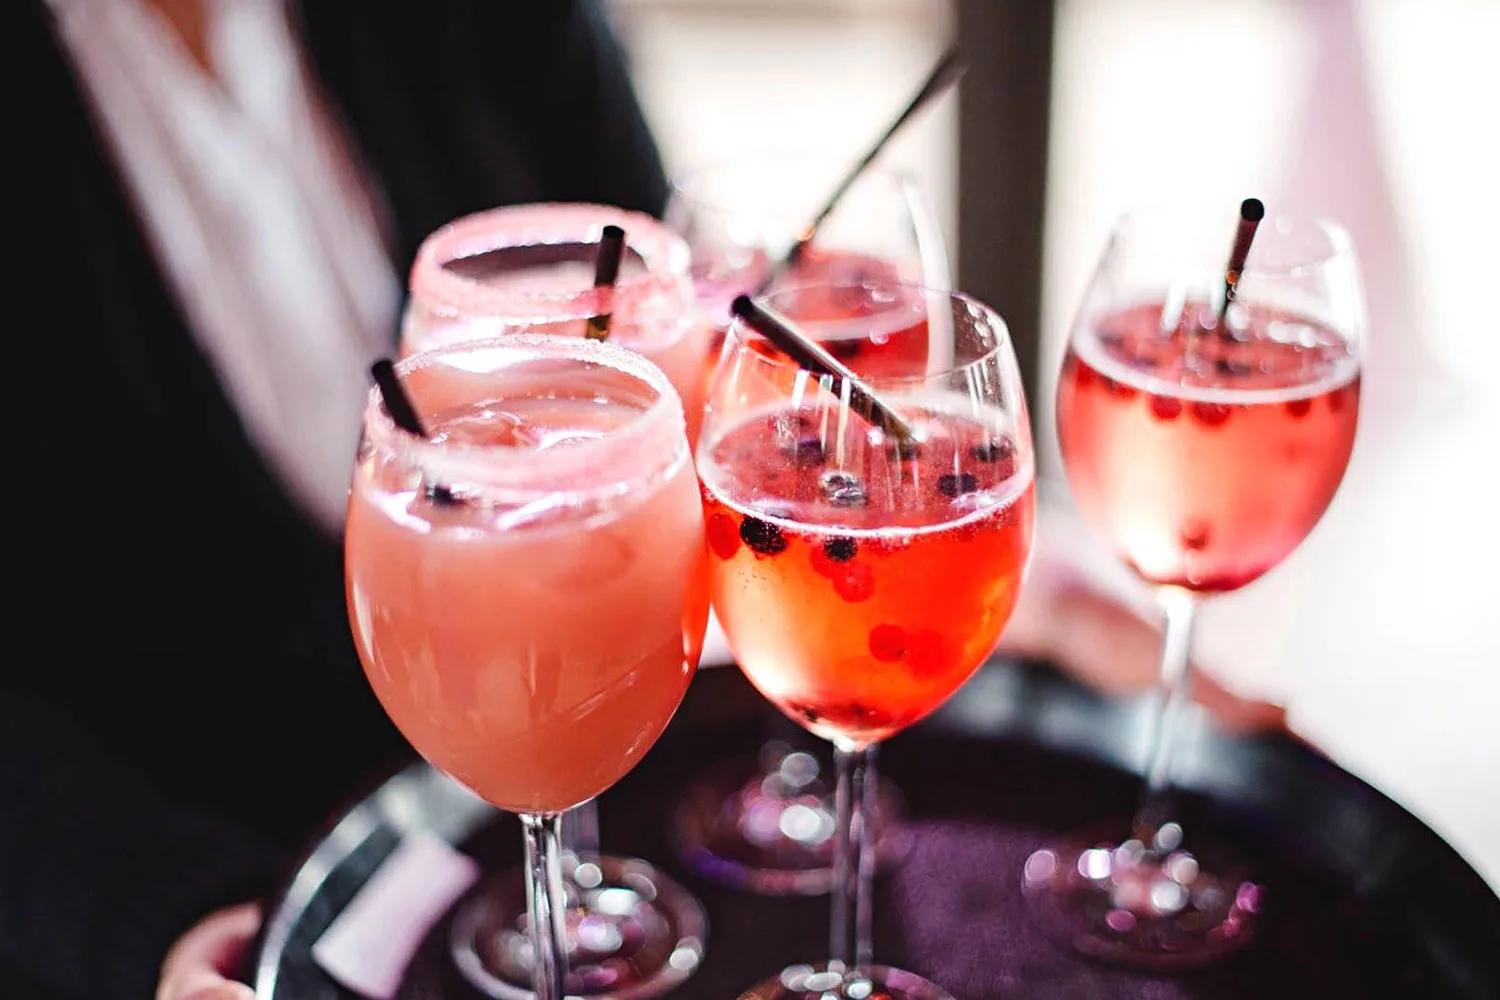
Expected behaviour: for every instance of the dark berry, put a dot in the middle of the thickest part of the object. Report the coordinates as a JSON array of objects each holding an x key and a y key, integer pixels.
[
  {"x": 1165, "y": 407},
  {"x": 887, "y": 643},
  {"x": 1210, "y": 414},
  {"x": 1298, "y": 408},
  {"x": 1231, "y": 369},
  {"x": 808, "y": 449},
  {"x": 843, "y": 489},
  {"x": 854, "y": 581},
  {"x": 763, "y": 537},
  {"x": 1119, "y": 389},
  {"x": 991, "y": 452},
  {"x": 806, "y": 714},
  {"x": 840, "y": 549},
  {"x": 844, "y": 350},
  {"x": 723, "y": 536},
  {"x": 442, "y": 495},
  {"x": 955, "y": 486}
]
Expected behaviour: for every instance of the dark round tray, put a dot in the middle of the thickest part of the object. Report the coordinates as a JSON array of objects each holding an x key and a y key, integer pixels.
[{"x": 1363, "y": 899}]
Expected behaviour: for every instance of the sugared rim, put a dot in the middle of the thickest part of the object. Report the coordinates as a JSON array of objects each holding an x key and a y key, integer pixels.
[
  {"x": 663, "y": 253},
  {"x": 609, "y": 462},
  {"x": 1130, "y": 224},
  {"x": 991, "y": 319}
]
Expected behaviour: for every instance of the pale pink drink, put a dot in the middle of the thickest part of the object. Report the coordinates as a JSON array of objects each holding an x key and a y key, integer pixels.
[
  {"x": 529, "y": 269},
  {"x": 1205, "y": 459},
  {"x": 527, "y": 584},
  {"x": 1204, "y": 434}
]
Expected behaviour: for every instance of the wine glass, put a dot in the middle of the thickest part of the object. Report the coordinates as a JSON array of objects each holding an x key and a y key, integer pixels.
[
  {"x": 763, "y": 823},
  {"x": 862, "y": 578},
  {"x": 654, "y": 942},
  {"x": 1205, "y": 426}
]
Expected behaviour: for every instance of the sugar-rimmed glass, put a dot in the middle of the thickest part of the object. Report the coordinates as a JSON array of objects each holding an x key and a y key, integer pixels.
[{"x": 526, "y": 591}]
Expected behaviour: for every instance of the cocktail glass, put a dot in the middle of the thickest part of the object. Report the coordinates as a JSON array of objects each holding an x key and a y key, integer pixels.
[
  {"x": 860, "y": 578},
  {"x": 527, "y": 591},
  {"x": 1203, "y": 450},
  {"x": 764, "y": 822}
]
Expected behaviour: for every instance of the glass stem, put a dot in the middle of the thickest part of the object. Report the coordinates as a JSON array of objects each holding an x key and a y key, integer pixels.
[
  {"x": 546, "y": 905},
  {"x": 581, "y": 834},
  {"x": 851, "y": 939},
  {"x": 1174, "y": 691}
]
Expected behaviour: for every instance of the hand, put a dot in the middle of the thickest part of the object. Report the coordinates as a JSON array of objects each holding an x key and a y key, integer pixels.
[
  {"x": 201, "y": 964},
  {"x": 1066, "y": 620}
]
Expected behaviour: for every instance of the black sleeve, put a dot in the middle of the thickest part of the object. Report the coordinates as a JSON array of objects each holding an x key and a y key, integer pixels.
[
  {"x": 98, "y": 873},
  {"x": 588, "y": 132}
]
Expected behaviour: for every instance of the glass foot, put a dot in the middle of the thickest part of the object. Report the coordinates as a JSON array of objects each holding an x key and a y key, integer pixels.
[
  {"x": 632, "y": 932},
  {"x": 1146, "y": 904},
  {"x": 831, "y": 980},
  {"x": 768, "y": 825}
]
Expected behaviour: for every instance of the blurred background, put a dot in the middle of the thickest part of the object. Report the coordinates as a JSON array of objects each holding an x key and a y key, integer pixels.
[{"x": 1381, "y": 634}]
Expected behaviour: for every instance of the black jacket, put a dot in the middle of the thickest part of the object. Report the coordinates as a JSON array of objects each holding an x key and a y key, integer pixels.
[{"x": 180, "y": 703}]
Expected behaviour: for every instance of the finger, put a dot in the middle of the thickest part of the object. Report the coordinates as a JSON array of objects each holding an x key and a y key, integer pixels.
[
  {"x": 223, "y": 991},
  {"x": 207, "y": 956}
]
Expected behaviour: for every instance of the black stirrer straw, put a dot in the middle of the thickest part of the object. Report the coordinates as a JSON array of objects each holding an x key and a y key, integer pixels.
[
  {"x": 946, "y": 73},
  {"x": 1251, "y": 212},
  {"x": 404, "y": 415},
  {"x": 606, "y": 271},
  {"x": 807, "y": 354},
  {"x": 397, "y": 403}
]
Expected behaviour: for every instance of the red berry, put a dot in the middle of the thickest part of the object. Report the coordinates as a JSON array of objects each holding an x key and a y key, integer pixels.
[
  {"x": 887, "y": 642},
  {"x": 926, "y": 651},
  {"x": 723, "y": 536},
  {"x": 1336, "y": 400},
  {"x": 854, "y": 582},
  {"x": 1119, "y": 389},
  {"x": 1298, "y": 407},
  {"x": 1165, "y": 407},
  {"x": 1082, "y": 373},
  {"x": 821, "y": 564},
  {"x": 1210, "y": 414}
]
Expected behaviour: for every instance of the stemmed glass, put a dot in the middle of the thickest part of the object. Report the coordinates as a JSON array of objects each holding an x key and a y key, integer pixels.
[
  {"x": 529, "y": 269},
  {"x": 764, "y": 824},
  {"x": 526, "y": 581},
  {"x": 861, "y": 578},
  {"x": 1206, "y": 417}
]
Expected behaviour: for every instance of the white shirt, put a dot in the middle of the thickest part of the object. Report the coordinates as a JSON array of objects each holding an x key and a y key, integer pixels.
[{"x": 257, "y": 217}]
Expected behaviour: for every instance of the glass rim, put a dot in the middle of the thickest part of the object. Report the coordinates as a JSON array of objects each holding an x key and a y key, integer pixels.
[
  {"x": 614, "y": 459},
  {"x": 1128, "y": 226},
  {"x": 990, "y": 315},
  {"x": 664, "y": 255}
]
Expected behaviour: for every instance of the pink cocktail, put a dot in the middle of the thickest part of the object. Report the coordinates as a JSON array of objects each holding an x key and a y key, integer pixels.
[
  {"x": 1206, "y": 460},
  {"x": 527, "y": 584},
  {"x": 1206, "y": 411}
]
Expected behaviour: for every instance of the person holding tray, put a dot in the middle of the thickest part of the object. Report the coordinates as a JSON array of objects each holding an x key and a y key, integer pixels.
[{"x": 213, "y": 203}]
